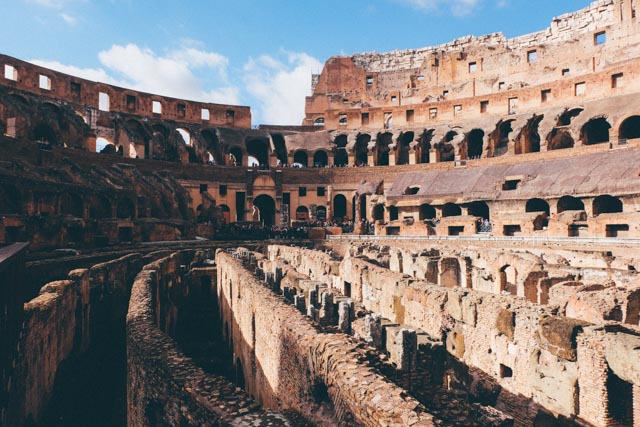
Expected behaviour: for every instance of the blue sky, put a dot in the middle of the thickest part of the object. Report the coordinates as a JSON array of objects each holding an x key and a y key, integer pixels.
[{"x": 259, "y": 53}]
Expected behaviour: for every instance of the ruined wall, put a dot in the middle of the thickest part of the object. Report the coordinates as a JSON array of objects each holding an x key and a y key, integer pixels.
[
  {"x": 284, "y": 358},
  {"x": 528, "y": 351},
  {"x": 63, "y": 322},
  {"x": 165, "y": 386}
]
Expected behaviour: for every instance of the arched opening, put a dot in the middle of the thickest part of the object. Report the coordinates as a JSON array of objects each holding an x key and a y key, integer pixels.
[
  {"x": 606, "y": 204},
  {"x": 474, "y": 144},
  {"x": 528, "y": 140},
  {"x": 568, "y": 115},
  {"x": 595, "y": 131},
  {"x": 362, "y": 149},
  {"x": 302, "y": 214},
  {"x": 508, "y": 280},
  {"x": 320, "y": 159},
  {"x": 252, "y": 161},
  {"x": 451, "y": 209},
  {"x": 570, "y": 203},
  {"x": 138, "y": 136},
  {"x": 45, "y": 133},
  {"x": 500, "y": 138},
  {"x": 479, "y": 209},
  {"x": 99, "y": 208},
  {"x": 319, "y": 121},
  {"x": 102, "y": 144},
  {"x": 214, "y": 148},
  {"x": 71, "y": 204},
  {"x": 411, "y": 191},
  {"x": 378, "y": 212},
  {"x": 259, "y": 149},
  {"x": 382, "y": 148},
  {"x": 424, "y": 146},
  {"x": 339, "y": 207},
  {"x": 393, "y": 213},
  {"x": 126, "y": 209},
  {"x": 185, "y": 135},
  {"x": 321, "y": 213},
  {"x": 427, "y": 212},
  {"x": 630, "y": 128},
  {"x": 301, "y": 158},
  {"x": 404, "y": 148},
  {"x": 537, "y": 205},
  {"x": 280, "y": 148},
  {"x": 340, "y": 156},
  {"x": 446, "y": 151},
  {"x": 267, "y": 208},
  {"x": 559, "y": 139},
  {"x": 226, "y": 213},
  {"x": 235, "y": 155}
]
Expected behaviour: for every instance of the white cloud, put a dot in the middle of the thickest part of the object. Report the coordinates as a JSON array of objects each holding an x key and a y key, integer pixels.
[
  {"x": 280, "y": 86},
  {"x": 69, "y": 19},
  {"x": 457, "y": 7},
  {"x": 171, "y": 74}
]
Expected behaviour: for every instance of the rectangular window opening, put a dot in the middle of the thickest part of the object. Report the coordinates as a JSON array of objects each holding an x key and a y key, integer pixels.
[
  {"x": 566, "y": 71},
  {"x": 45, "y": 82},
  {"x": 513, "y": 105},
  {"x": 76, "y": 89},
  {"x": 365, "y": 118},
  {"x": 342, "y": 120},
  {"x": 369, "y": 80},
  {"x": 616, "y": 80},
  {"x": 223, "y": 190},
  {"x": 204, "y": 188},
  {"x": 410, "y": 115},
  {"x": 320, "y": 191},
  {"x": 156, "y": 107},
  {"x": 500, "y": 85},
  {"x": 457, "y": 110},
  {"x": 10, "y": 72},
  {"x": 103, "y": 101},
  {"x": 433, "y": 113},
  {"x": 532, "y": 56},
  {"x": 204, "y": 114},
  {"x": 132, "y": 102},
  {"x": 511, "y": 184},
  {"x": 181, "y": 109},
  {"x": 545, "y": 95},
  {"x": 600, "y": 38},
  {"x": 505, "y": 371},
  {"x": 484, "y": 105},
  {"x": 473, "y": 67},
  {"x": 302, "y": 192},
  {"x": 580, "y": 89}
]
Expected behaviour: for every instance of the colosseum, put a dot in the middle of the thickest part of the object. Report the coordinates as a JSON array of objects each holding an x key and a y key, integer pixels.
[{"x": 450, "y": 238}]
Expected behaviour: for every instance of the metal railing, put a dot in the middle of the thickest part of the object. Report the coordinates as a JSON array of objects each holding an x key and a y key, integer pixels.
[{"x": 479, "y": 238}]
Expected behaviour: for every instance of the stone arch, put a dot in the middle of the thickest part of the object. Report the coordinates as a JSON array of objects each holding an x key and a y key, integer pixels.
[
  {"x": 226, "y": 213},
  {"x": 213, "y": 147},
  {"x": 340, "y": 156},
  {"x": 446, "y": 150},
  {"x": 339, "y": 206},
  {"x": 184, "y": 135},
  {"x": 423, "y": 152},
  {"x": 565, "y": 118},
  {"x": 138, "y": 135},
  {"x": 320, "y": 159},
  {"x": 44, "y": 132},
  {"x": 71, "y": 204},
  {"x": 126, "y": 208},
  {"x": 267, "y": 208},
  {"x": 606, "y": 204},
  {"x": 559, "y": 139},
  {"x": 451, "y": 209},
  {"x": 105, "y": 146},
  {"x": 280, "y": 148},
  {"x": 528, "y": 139},
  {"x": 629, "y": 128},
  {"x": 383, "y": 141},
  {"x": 537, "y": 205},
  {"x": 479, "y": 209},
  {"x": 404, "y": 147},
  {"x": 321, "y": 213},
  {"x": 99, "y": 207},
  {"x": 259, "y": 149},
  {"x": 236, "y": 155},
  {"x": 302, "y": 214},
  {"x": 570, "y": 203},
  {"x": 426, "y": 212},
  {"x": 473, "y": 144},
  {"x": 595, "y": 131},
  {"x": 508, "y": 279},
  {"x": 499, "y": 138},
  {"x": 301, "y": 158},
  {"x": 361, "y": 149}
]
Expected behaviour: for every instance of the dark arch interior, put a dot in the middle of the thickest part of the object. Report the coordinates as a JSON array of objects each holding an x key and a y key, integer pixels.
[
  {"x": 362, "y": 150},
  {"x": 451, "y": 209},
  {"x": 404, "y": 147},
  {"x": 100, "y": 208},
  {"x": 565, "y": 118},
  {"x": 301, "y": 157},
  {"x": 537, "y": 205},
  {"x": 280, "y": 148},
  {"x": 595, "y": 131},
  {"x": 126, "y": 209},
  {"x": 339, "y": 206},
  {"x": 213, "y": 146},
  {"x": 630, "y": 128},
  {"x": 44, "y": 132},
  {"x": 320, "y": 159},
  {"x": 424, "y": 146},
  {"x": 259, "y": 149},
  {"x": 378, "y": 212},
  {"x": 71, "y": 204},
  {"x": 393, "y": 213},
  {"x": 267, "y": 207},
  {"x": 528, "y": 140},
  {"x": 570, "y": 203},
  {"x": 606, "y": 204},
  {"x": 479, "y": 209},
  {"x": 427, "y": 212},
  {"x": 236, "y": 153},
  {"x": 382, "y": 148},
  {"x": 501, "y": 138},
  {"x": 475, "y": 143},
  {"x": 559, "y": 139}
]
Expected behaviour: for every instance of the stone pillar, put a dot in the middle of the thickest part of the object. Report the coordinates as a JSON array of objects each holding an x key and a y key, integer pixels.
[
  {"x": 371, "y": 159},
  {"x": 299, "y": 302},
  {"x": 412, "y": 157},
  {"x": 407, "y": 341},
  {"x": 434, "y": 156},
  {"x": 373, "y": 330},
  {"x": 344, "y": 316},
  {"x": 326, "y": 309}
]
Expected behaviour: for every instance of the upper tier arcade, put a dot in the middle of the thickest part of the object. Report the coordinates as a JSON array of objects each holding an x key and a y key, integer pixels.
[
  {"x": 102, "y": 97},
  {"x": 586, "y": 55}
]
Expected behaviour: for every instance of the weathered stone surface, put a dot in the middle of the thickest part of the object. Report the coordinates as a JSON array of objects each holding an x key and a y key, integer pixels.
[
  {"x": 506, "y": 323},
  {"x": 558, "y": 336}
]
